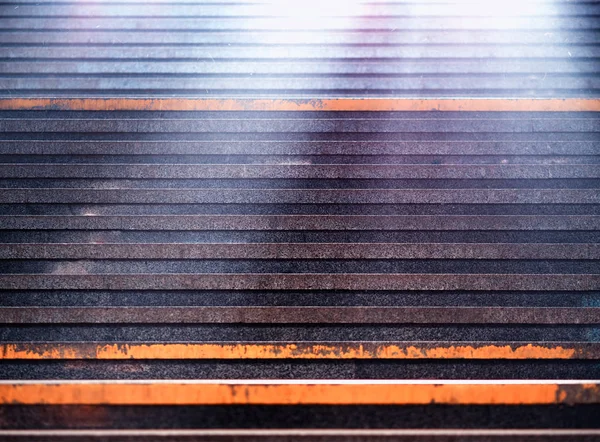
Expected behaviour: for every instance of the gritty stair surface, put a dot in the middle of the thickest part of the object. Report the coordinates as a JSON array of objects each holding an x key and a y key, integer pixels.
[{"x": 276, "y": 221}]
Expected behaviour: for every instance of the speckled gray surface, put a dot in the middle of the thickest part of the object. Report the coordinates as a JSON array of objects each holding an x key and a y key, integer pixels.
[
  {"x": 305, "y": 223},
  {"x": 296, "y": 369},
  {"x": 72, "y": 279},
  {"x": 302, "y": 196},
  {"x": 292, "y": 297},
  {"x": 494, "y": 187},
  {"x": 490, "y": 217},
  {"x": 291, "y": 125},
  {"x": 296, "y": 332}
]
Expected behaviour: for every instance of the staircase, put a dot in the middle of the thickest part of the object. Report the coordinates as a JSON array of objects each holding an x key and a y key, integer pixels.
[{"x": 279, "y": 222}]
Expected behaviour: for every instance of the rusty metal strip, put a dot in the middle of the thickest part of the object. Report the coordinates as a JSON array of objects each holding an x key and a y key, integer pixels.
[
  {"x": 301, "y": 350},
  {"x": 298, "y": 393},
  {"x": 295, "y": 315},
  {"x": 330, "y": 104},
  {"x": 301, "y": 251}
]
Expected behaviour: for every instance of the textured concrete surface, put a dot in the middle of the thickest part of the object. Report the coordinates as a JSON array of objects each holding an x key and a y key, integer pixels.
[{"x": 449, "y": 226}]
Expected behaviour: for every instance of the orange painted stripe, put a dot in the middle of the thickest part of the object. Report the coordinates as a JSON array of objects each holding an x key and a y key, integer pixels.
[
  {"x": 296, "y": 393},
  {"x": 349, "y": 350},
  {"x": 326, "y": 104}
]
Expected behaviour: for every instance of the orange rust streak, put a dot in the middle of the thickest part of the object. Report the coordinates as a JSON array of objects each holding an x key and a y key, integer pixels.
[
  {"x": 329, "y": 104},
  {"x": 281, "y": 351},
  {"x": 214, "y": 393}
]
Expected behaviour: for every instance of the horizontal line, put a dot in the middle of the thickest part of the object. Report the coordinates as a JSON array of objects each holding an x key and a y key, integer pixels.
[
  {"x": 24, "y": 38},
  {"x": 300, "y": 251},
  {"x": 300, "y": 222},
  {"x": 568, "y": 21},
  {"x": 563, "y": 65},
  {"x": 35, "y": 77},
  {"x": 297, "y": 393},
  {"x": 303, "y": 125},
  {"x": 312, "y": 435},
  {"x": 296, "y": 60},
  {"x": 565, "y": 31},
  {"x": 278, "y": 53},
  {"x": 300, "y": 196},
  {"x": 302, "y": 94},
  {"x": 301, "y": 350},
  {"x": 572, "y": 92},
  {"x": 262, "y": 2},
  {"x": 363, "y": 148},
  {"x": 34, "y": 73},
  {"x": 297, "y": 52},
  {"x": 578, "y": 27},
  {"x": 566, "y": 15},
  {"x": 249, "y": 44},
  {"x": 307, "y": 315},
  {"x": 333, "y": 104},
  {"x": 300, "y": 171},
  {"x": 303, "y": 381},
  {"x": 372, "y": 23}
]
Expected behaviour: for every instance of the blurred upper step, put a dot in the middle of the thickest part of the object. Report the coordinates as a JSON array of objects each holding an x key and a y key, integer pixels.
[{"x": 291, "y": 49}]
